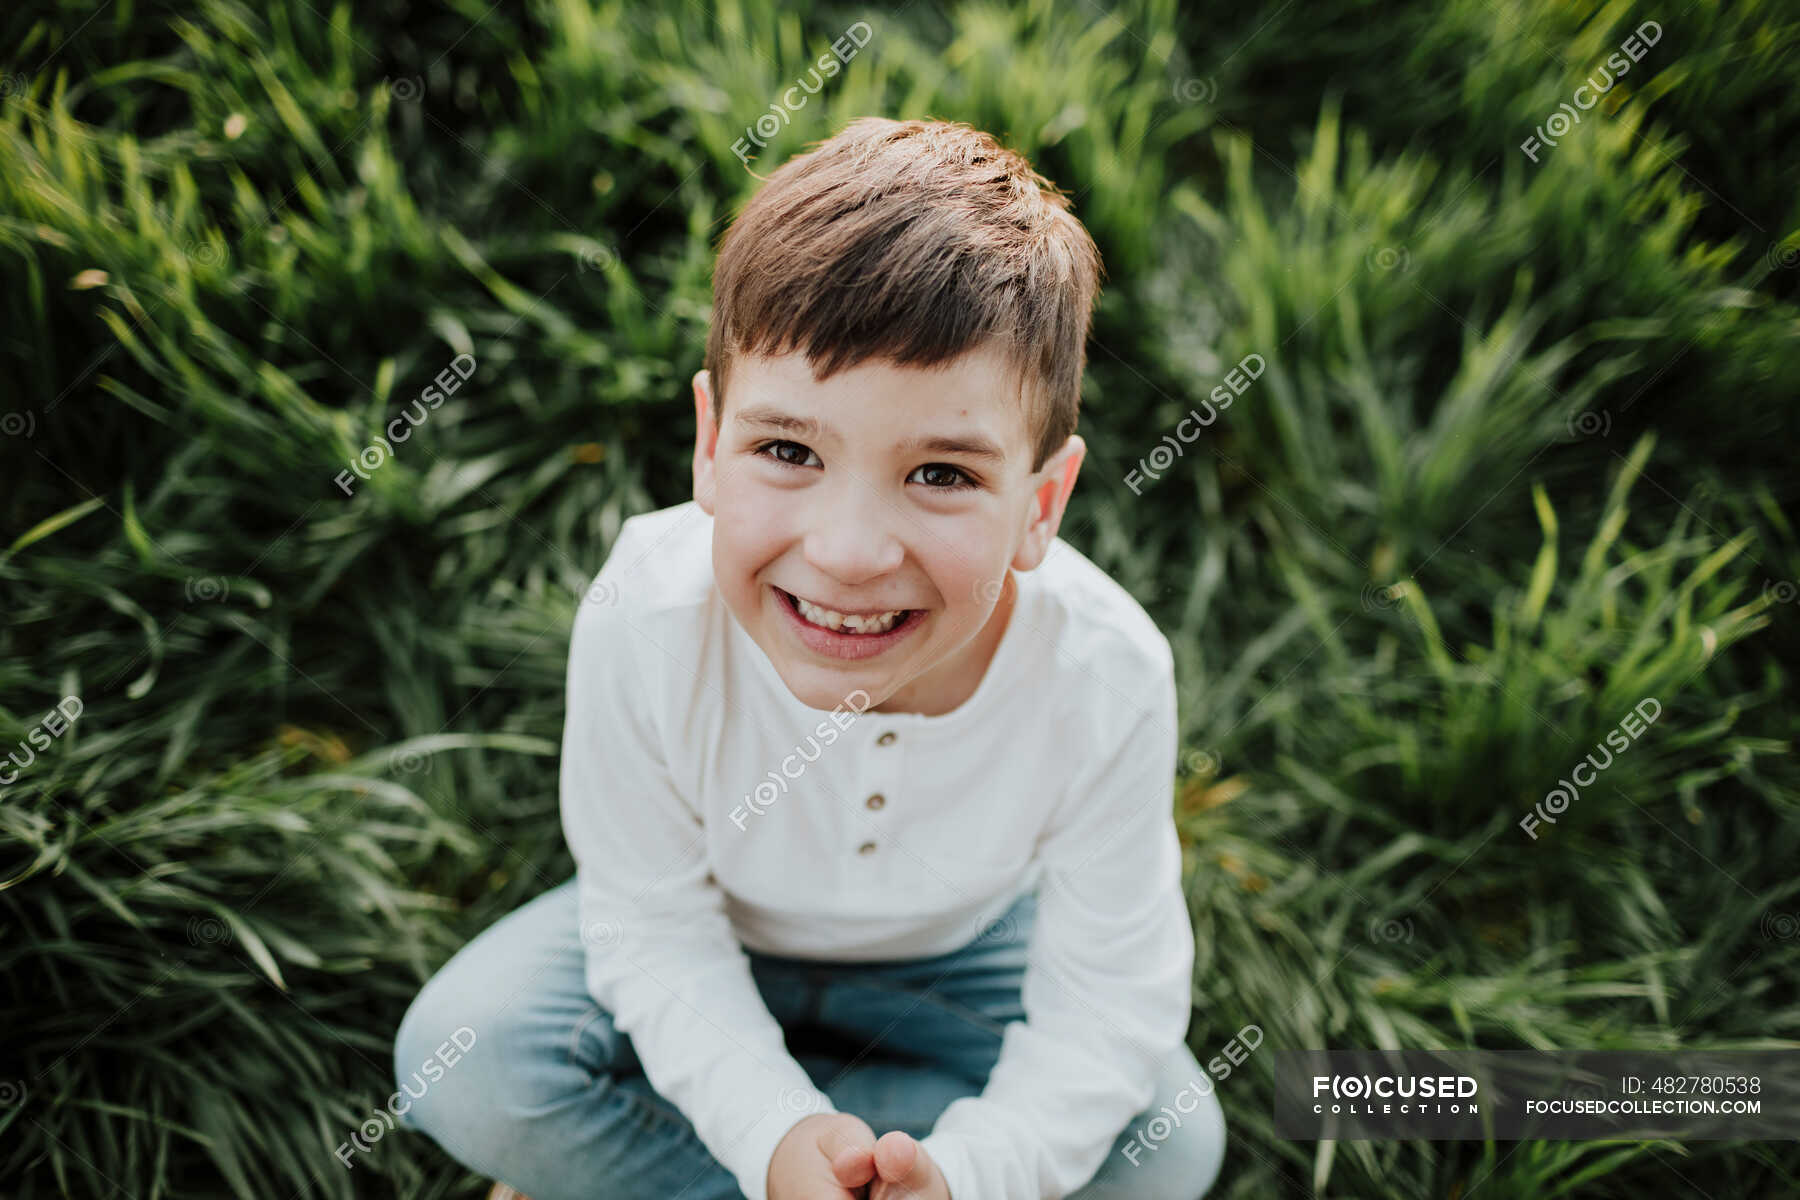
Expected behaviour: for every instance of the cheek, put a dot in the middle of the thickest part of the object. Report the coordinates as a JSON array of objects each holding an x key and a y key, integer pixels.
[
  {"x": 968, "y": 567},
  {"x": 746, "y": 535}
]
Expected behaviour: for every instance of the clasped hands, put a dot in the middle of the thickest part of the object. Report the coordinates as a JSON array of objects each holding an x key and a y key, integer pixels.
[{"x": 836, "y": 1156}]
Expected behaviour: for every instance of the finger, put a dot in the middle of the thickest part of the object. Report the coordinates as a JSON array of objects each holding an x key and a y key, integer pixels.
[
  {"x": 897, "y": 1160},
  {"x": 850, "y": 1150}
]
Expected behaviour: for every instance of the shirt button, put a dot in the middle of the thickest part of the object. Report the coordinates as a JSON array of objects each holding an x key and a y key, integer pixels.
[
  {"x": 886, "y": 739},
  {"x": 866, "y": 848},
  {"x": 876, "y": 801}
]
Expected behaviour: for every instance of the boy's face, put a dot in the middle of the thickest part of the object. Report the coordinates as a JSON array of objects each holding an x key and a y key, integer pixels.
[{"x": 882, "y": 490}]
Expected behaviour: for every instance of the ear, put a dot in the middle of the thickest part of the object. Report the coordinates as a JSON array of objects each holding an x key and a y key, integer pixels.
[
  {"x": 1049, "y": 497},
  {"x": 706, "y": 441}
]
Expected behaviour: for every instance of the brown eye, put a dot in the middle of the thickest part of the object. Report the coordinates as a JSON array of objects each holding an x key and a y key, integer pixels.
[
  {"x": 791, "y": 454},
  {"x": 943, "y": 477}
]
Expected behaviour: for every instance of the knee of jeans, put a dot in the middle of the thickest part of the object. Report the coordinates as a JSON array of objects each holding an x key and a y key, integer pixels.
[
  {"x": 1177, "y": 1145},
  {"x": 431, "y": 1067},
  {"x": 1206, "y": 1147}
]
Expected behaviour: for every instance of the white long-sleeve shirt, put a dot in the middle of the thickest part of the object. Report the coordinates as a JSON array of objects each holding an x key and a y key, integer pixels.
[{"x": 707, "y": 809}]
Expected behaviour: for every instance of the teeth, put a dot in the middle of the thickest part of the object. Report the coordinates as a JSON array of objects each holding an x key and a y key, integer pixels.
[{"x": 832, "y": 619}]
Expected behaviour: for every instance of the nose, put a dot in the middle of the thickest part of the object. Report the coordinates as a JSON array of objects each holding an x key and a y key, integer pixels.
[{"x": 850, "y": 536}]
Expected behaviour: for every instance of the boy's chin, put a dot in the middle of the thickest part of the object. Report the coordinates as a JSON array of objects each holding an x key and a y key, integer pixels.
[{"x": 850, "y": 689}]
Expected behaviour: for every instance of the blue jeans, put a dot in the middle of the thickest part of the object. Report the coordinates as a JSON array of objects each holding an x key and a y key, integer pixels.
[{"x": 551, "y": 1099}]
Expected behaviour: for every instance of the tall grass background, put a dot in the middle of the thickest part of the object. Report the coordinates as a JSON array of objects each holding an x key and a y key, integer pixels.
[{"x": 1523, "y": 455}]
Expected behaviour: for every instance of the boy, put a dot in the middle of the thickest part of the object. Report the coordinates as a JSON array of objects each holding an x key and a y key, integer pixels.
[{"x": 865, "y": 774}]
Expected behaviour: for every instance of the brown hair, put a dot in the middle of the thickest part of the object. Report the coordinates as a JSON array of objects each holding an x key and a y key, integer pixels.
[{"x": 914, "y": 242}]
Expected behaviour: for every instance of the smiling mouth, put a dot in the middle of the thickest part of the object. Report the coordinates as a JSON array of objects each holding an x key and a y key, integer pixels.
[{"x": 851, "y": 624}]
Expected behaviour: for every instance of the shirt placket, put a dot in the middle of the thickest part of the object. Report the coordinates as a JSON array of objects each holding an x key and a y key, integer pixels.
[{"x": 879, "y": 787}]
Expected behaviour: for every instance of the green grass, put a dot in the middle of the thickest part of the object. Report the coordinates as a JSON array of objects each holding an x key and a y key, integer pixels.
[{"x": 1522, "y": 455}]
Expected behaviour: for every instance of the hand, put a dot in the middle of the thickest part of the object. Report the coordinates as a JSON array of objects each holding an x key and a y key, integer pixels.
[
  {"x": 827, "y": 1156},
  {"x": 904, "y": 1171}
]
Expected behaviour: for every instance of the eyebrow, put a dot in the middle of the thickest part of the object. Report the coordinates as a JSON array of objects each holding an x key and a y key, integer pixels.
[{"x": 972, "y": 446}]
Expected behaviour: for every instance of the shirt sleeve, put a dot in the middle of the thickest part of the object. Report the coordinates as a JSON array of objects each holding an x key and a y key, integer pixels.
[
  {"x": 1107, "y": 986},
  {"x": 661, "y": 956}
]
